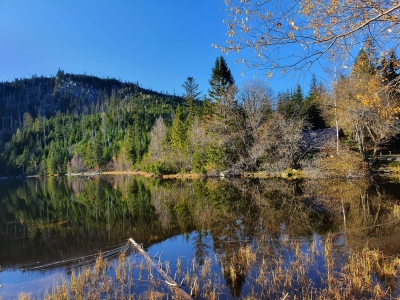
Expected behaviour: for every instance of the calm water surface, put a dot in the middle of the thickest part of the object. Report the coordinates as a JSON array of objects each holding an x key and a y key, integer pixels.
[{"x": 49, "y": 225}]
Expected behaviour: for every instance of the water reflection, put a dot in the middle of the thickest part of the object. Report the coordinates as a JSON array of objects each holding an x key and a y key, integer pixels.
[{"x": 52, "y": 219}]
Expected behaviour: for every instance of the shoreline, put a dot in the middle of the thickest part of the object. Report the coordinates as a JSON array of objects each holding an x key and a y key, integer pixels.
[{"x": 289, "y": 174}]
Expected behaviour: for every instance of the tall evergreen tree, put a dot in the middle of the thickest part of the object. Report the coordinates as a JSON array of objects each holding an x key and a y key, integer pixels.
[
  {"x": 298, "y": 94},
  {"x": 22, "y": 159},
  {"x": 313, "y": 110},
  {"x": 190, "y": 95},
  {"x": 389, "y": 66},
  {"x": 178, "y": 132},
  {"x": 290, "y": 104},
  {"x": 207, "y": 110},
  {"x": 221, "y": 79},
  {"x": 363, "y": 64}
]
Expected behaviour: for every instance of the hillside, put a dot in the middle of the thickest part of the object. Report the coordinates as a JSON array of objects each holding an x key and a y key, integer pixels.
[
  {"x": 64, "y": 92},
  {"x": 46, "y": 117}
]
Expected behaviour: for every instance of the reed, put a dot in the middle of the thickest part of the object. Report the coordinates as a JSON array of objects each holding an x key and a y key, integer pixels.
[
  {"x": 365, "y": 274},
  {"x": 179, "y": 266}
]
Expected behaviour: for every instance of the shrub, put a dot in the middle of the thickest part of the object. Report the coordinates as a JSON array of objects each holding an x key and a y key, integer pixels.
[
  {"x": 160, "y": 168},
  {"x": 345, "y": 164}
]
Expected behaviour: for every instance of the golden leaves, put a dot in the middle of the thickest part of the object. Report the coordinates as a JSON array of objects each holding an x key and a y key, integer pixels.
[
  {"x": 293, "y": 26},
  {"x": 368, "y": 95},
  {"x": 323, "y": 25}
]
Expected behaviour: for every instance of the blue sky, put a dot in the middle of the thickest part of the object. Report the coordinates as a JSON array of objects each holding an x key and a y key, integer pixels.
[{"x": 158, "y": 43}]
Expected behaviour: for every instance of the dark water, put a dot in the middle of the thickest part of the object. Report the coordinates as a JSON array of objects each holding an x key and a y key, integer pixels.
[{"x": 47, "y": 221}]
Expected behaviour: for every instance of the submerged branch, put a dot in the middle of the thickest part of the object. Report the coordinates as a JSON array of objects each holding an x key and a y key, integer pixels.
[{"x": 168, "y": 280}]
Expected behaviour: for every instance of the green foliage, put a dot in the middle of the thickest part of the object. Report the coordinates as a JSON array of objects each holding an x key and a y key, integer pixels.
[
  {"x": 183, "y": 216},
  {"x": 312, "y": 108},
  {"x": 291, "y": 104},
  {"x": 96, "y": 129},
  {"x": 208, "y": 108},
  {"x": 160, "y": 168},
  {"x": 390, "y": 64},
  {"x": 22, "y": 159},
  {"x": 178, "y": 130},
  {"x": 92, "y": 154},
  {"x": 117, "y": 126},
  {"x": 198, "y": 161},
  {"x": 221, "y": 79},
  {"x": 215, "y": 158},
  {"x": 363, "y": 64},
  {"x": 191, "y": 96}
]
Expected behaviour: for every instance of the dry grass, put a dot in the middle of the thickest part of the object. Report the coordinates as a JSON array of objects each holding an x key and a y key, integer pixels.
[
  {"x": 394, "y": 167},
  {"x": 284, "y": 272},
  {"x": 345, "y": 164}
]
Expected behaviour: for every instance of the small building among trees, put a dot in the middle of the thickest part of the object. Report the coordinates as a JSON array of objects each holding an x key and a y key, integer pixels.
[{"x": 320, "y": 139}]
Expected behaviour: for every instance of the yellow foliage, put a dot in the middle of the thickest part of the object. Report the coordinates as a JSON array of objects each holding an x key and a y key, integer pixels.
[{"x": 369, "y": 96}]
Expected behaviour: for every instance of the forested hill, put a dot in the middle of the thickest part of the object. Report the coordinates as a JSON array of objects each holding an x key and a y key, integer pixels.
[
  {"x": 79, "y": 94},
  {"x": 45, "y": 120}
]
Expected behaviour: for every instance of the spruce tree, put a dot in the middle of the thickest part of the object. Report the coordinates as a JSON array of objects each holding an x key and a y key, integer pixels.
[
  {"x": 222, "y": 125},
  {"x": 389, "y": 67},
  {"x": 178, "y": 131},
  {"x": 313, "y": 110},
  {"x": 191, "y": 95},
  {"x": 221, "y": 79},
  {"x": 363, "y": 64},
  {"x": 290, "y": 104}
]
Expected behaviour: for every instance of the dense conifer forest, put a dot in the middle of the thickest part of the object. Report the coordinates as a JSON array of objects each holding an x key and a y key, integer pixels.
[{"x": 87, "y": 121}]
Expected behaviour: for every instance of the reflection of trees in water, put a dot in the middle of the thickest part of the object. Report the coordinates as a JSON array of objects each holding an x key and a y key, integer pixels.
[
  {"x": 202, "y": 246},
  {"x": 239, "y": 212},
  {"x": 64, "y": 216},
  {"x": 367, "y": 208},
  {"x": 371, "y": 217},
  {"x": 52, "y": 220},
  {"x": 281, "y": 204}
]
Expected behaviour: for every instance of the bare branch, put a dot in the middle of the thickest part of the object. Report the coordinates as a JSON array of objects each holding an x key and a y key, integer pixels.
[{"x": 295, "y": 34}]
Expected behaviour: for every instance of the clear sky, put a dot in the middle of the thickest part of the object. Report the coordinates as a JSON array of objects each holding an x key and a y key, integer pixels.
[{"x": 158, "y": 43}]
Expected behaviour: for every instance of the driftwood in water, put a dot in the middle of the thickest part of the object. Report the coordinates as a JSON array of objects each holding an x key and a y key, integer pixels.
[{"x": 168, "y": 280}]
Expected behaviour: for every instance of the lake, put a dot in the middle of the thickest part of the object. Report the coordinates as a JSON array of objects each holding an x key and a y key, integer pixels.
[{"x": 233, "y": 236}]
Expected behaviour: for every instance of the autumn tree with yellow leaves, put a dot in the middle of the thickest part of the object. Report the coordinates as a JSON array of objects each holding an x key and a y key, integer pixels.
[
  {"x": 366, "y": 109},
  {"x": 287, "y": 35}
]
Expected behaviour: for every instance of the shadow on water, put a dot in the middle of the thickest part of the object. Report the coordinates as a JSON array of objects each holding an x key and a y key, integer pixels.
[{"x": 60, "y": 219}]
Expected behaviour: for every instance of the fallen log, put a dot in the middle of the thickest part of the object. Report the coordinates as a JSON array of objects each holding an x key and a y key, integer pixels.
[{"x": 181, "y": 294}]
